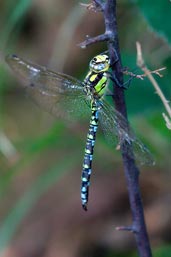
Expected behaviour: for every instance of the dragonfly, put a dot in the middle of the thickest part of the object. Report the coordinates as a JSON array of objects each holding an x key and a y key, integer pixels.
[{"x": 54, "y": 91}]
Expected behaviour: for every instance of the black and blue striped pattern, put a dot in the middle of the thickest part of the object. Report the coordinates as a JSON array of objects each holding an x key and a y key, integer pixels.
[
  {"x": 94, "y": 84},
  {"x": 87, "y": 163}
]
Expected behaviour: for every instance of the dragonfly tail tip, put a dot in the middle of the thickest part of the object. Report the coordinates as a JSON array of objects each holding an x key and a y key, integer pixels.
[{"x": 84, "y": 207}]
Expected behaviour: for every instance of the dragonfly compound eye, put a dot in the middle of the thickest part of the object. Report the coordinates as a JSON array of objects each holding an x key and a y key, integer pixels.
[{"x": 95, "y": 59}]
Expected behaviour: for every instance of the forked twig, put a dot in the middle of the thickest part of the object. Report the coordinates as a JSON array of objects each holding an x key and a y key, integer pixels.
[
  {"x": 148, "y": 73},
  {"x": 142, "y": 76},
  {"x": 95, "y": 6}
]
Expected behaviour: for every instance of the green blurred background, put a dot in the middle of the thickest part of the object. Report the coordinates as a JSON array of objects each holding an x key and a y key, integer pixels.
[{"x": 41, "y": 156}]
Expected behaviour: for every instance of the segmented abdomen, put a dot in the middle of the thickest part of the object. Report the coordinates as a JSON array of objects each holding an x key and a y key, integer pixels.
[{"x": 86, "y": 172}]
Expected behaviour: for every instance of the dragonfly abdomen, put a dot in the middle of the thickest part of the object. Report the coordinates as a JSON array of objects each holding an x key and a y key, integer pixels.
[{"x": 88, "y": 156}]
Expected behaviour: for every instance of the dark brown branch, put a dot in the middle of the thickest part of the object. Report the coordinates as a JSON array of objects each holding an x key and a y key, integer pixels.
[
  {"x": 127, "y": 228},
  {"x": 93, "y": 40},
  {"x": 100, "y": 5},
  {"x": 131, "y": 171}
]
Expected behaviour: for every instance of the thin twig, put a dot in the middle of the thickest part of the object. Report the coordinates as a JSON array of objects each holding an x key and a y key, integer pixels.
[
  {"x": 8, "y": 149},
  {"x": 93, "y": 40},
  {"x": 142, "y": 76},
  {"x": 143, "y": 67},
  {"x": 95, "y": 6},
  {"x": 167, "y": 120},
  {"x": 127, "y": 228}
]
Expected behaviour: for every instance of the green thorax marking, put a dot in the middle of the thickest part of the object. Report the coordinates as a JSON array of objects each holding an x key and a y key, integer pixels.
[
  {"x": 96, "y": 80},
  {"x": 95, "y": 84}
]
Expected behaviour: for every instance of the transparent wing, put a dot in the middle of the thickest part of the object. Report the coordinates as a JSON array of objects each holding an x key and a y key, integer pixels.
[
  {"x": 48, "y": 88},
  {"x": 114, "y": 126}
]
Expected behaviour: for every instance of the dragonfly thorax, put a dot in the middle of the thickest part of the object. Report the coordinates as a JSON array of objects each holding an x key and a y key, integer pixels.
[{"x": 96, "y": 79}]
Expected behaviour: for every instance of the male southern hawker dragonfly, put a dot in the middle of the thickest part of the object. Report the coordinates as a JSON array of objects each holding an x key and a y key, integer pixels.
[{"x": 49, "y": 89}]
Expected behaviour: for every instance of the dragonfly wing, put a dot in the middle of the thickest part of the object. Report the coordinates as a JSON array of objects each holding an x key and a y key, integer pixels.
[
  {"x": 50, "y": 82},
  {"x": 108, "y": 126},
  {"x": 52, "y": 91},
  {"x": 142, "y": 153},
  {"x": 115, "y": 129},
  {"x": 63, "y": 106}
]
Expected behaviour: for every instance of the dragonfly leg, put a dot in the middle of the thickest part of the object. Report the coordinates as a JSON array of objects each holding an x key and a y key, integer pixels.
[
  {"x": 114, "y": 79},
  {"x": 125, "y": 85}
]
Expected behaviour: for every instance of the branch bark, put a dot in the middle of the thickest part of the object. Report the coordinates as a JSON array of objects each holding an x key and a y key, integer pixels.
[{"x": 138, "y": 226}]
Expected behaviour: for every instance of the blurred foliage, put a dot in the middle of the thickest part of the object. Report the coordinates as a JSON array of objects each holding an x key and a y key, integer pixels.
[
  {"x": 164, "y": 251},
  {"x": 162, "y": 13},
  {"x": 47, "y": 179},
  {"x": 14, "y": 12},
  {"x": 40, "y": 212}
]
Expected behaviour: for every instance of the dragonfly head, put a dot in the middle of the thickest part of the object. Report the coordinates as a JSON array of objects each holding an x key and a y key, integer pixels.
[{"x": 100, "y": 63}]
